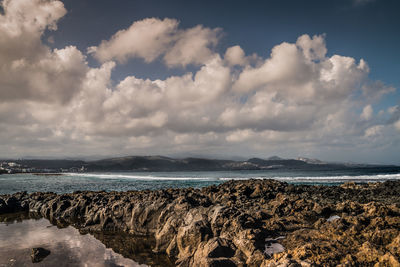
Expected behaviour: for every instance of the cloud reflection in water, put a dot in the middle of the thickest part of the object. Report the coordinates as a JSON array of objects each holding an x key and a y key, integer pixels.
[{"x": 68, "y": 247}]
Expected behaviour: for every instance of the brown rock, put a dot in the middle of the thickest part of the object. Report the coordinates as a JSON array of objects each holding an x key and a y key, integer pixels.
[{"x": 38, "y": 254}]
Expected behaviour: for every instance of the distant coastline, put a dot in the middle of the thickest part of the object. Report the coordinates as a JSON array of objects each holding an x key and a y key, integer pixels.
[{"x": 165, "y": 164}]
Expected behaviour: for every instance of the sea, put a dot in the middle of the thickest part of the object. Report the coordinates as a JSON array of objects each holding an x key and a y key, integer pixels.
[{"x": 126, "y": 181}]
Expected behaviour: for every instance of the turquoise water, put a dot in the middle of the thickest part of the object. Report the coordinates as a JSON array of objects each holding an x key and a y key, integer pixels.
[{"x": 70, "y": 182}]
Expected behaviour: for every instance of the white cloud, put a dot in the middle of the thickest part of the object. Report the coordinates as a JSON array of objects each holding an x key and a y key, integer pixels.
[
  {"x": 313, "y": 49},
  {"x": 374, "y": 131},
  {"x": 147, "y": 39},
  {"x": 235, "y": 56},
  {"x": 22, "y": 17},
  {"x": 239, "y": 135},
  {"x": 395, "y": 116},
  {"x": 296, "y": 99},
  {"x": 367, "y": 112},
  {"x": 296, "y": 90},
  {"x": 151, "y": 38},
  {"x": 28, "y": 69},
  {"x": 397, "y": 125},
  {"x": 192, "y": 46},
  {"x": 393, "y": 110},
  {"x": 374, "y": 90}
]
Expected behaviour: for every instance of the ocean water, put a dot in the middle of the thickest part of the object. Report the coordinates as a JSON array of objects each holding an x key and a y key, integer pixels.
[{"x": 124, "y": 181}]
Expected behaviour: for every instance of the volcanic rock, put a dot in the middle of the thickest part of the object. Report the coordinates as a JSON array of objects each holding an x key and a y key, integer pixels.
[
  {"x": 38, "y": 254},
  {"x": 228, "y": 225}
]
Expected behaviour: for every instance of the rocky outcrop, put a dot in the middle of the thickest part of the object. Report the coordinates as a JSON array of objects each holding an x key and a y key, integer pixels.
[
  {"x": 231, "y": 224},
  {"x": 38, "y": 254}
]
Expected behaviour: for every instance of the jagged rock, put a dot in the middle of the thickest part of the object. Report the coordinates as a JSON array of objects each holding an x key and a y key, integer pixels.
[
  {"x": 227, "y": 225},
  {"x": 38, "y": 254}
]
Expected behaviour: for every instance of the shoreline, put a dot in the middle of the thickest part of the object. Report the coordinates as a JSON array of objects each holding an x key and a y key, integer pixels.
[
  {"x": 232, "y": 223},
  {"x": 47, "y": 174}
]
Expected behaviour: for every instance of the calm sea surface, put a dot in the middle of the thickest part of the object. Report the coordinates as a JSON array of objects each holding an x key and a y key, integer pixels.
[{"x": 70, "y": 182}]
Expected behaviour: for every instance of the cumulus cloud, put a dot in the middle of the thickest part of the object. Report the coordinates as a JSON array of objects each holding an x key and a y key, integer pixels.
[
  {"x": 239, "y": 135},
  {"x": 147, "y": 39},
  {"x": 54, "y": 77},
  {"x": 284, "y": 62},
  {"x": 297, "y": 89},
  {"x": 152, "y": 37},
  {"x": 192, "y": 46},
  {"x": 235, "y": 56},
  {"x": 313, "y": 48},
  {"x": 394, "y": 116},
  {"x": 29, "y": 69},
  {"x": 297, "y": 98},
  {"x": 367, "y": 112},
  {"x": 397, "y": 125},
  {"x": 373, "y": 131}
]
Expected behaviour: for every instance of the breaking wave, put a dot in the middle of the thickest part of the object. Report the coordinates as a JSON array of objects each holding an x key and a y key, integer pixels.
[{"x": 182, "y": 177}]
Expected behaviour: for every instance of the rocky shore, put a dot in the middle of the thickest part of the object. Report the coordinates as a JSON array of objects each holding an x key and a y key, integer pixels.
[{"x": 240, "y": 223}]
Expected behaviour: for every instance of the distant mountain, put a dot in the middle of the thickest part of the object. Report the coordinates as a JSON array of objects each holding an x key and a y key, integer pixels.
[
  {"x": 155, "y": 163},
  {"x": 311, "y": 161},
  {"x": 161, "y": 163},
  {"x": 158, "y": 163},
  {"x": 349, "y": 164},
  {"x": 274, "y": 158}
]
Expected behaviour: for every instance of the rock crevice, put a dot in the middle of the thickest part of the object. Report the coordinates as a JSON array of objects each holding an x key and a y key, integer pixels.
[{"x": 228, "y": 225}]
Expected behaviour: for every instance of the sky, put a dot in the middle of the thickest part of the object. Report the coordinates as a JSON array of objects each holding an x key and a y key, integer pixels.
[{"x": 220, "y": 79}]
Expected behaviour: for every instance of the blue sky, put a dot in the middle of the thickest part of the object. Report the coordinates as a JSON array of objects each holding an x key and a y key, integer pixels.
[
  {"x": 362, "y": 30},
  {"x": 208, "y": 78}
]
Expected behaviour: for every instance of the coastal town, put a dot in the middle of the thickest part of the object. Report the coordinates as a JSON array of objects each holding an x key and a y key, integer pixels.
[
  {"x": 10, "y": 167},
  {"x": 13, "y": 167}
]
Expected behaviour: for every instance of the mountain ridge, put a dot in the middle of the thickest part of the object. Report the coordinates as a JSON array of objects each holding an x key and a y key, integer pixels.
[{"x": 163, "y": 163}]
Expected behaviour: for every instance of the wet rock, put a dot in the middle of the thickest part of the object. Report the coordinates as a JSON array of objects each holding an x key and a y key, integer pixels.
[
  {"x": 221, "y": 262},
  {"x": 227, "y": 225},
  {"x": 38, "y": 254},
  {"x": 215, "y": 251}
]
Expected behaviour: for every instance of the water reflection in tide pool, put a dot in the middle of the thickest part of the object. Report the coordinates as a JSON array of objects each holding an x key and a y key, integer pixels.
[{"x": 68, "y": 247}]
